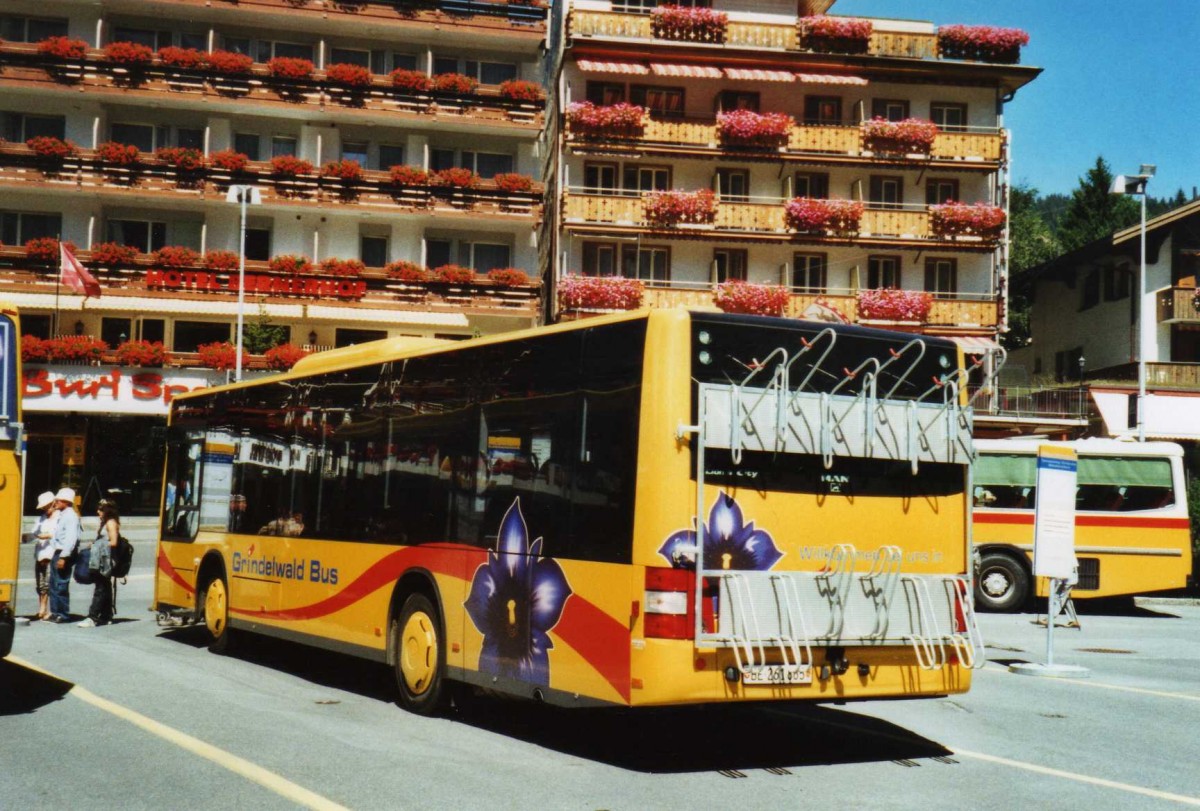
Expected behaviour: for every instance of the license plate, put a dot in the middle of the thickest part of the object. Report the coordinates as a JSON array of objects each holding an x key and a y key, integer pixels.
[{"x": 777, "y": 674}]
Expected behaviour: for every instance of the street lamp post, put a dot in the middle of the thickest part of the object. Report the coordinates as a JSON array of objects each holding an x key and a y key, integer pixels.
[
  {"x": 244, "y": 196},
  {"x": 1082, "y": 410},
  {"x": 1136, "y": 185}
]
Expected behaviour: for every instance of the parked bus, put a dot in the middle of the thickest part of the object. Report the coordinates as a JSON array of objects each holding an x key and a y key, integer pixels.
[
  {"x": 11, "y": 451},
  {"x": 641, "y": 509},
  {"x": 1132, "y": 533}
]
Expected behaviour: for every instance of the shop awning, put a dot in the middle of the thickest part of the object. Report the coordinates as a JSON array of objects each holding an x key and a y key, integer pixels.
[
  {"x": 629, "y": 68},
  {"x": 355, "y": 314},
  {"x": 1168, "y": 416},
  {"x": 975, "y": 344},
  {"x": 825, "y": 78},
  {"x": 686, "y": 71},
  {"x": 756, "y": 75}
]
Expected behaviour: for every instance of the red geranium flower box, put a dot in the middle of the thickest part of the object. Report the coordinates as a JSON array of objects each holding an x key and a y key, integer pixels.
[
  {"x": 748, "y": 128},
  {"x": 284, "y": 356},
  {"x": 667, "y": 208},
  {"x": 894, "y": 305},
  {"x": 44, "y": 249},
  {"x": 412, "y": 80},
  {"x": 600, "y": 293},
  {"x": 513, "y": 182},
  {"x": 51, "y": 148},
  {"x": 289, "y": 67},
  {"x": 736, "y": 296},
  {"x": 174, "y": 256},
  {"x": 963, "y": 219},
  {"x": 289, "y": 263},
  {"x": 835, "y": 34},
  {"x": 455, "y": 178},
  {"x": 229, "y": 62},
  {"x": 187, "y": 58},
  {"x": 118, "y": 154},
  {"x": 813, "y": 214},
  {"x": 508, "y": 277},
  {"x": 454, "y": 274},
  {"x": 290, "y": 166},
  {"x": 619, "y": 120},
  {"x": 907, "y": 136},
  {"x": 342, "y": 267},
  {"x": 112, "y": 253},
  {"x": 347, "y": 170},
  {"x": 63, "y": 48},
  {"x": 454, "y": 83},
  {"x": 183, "y": 158},
  {"x": 34, "y": 349},
  {"x": 128, "y": 53},
  {"x": 408, "y": 176},
  {"x": 76, "y": 348},
  {"x": 228, "y": 160},
  {"x": 986, "y": 43},
  {"x": 405, "y": 271},
  {"x": 221, "y": 260},
  {"x": 142, "y": 353},
  {"x": 220, "y": 355},
  {"x": 522, "y": 90},
  {"x": 690, "y": 23},
  {"x": 347, "y": 74}
]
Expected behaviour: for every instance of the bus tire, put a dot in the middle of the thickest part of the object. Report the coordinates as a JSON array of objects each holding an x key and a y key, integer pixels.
[
  {"x": 420, "y": 656},
  {"x": 1003, "y": 583},
  {"x": 216, "y": 614}
]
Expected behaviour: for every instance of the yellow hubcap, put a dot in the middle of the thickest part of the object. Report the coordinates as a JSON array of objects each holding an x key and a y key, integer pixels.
[
  {"x": 418, "y": 652},
  {"x": 215, "y": 608}
]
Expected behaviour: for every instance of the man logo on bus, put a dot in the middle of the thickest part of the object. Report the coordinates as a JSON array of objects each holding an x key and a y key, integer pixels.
[
  {"x": 516, "y": 598},
  {"x": 728, "y": 542}
]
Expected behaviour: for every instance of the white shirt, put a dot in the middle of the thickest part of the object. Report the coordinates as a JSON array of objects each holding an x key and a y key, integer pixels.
[{"x": 43, "y": 548}]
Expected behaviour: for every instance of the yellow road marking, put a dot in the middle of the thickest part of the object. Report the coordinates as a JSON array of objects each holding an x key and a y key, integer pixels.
[
  {"x": 1120, "y": 687},
  {"x": 251, "y": 771}
]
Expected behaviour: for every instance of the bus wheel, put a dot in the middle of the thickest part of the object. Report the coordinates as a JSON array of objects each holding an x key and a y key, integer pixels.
[
  {"x": 1003, "y": 583},
  {"x": 216, "y": 614},
  {"x": 420, "y": 657}
]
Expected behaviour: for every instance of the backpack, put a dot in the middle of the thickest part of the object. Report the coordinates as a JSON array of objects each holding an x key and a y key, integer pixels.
[{"x": 122, "y": 557}]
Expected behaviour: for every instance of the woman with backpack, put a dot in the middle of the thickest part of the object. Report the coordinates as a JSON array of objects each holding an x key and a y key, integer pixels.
[{"x": 101, "y": 564}]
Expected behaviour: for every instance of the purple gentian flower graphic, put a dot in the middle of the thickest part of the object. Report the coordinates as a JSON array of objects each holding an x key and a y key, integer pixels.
[
  {"x": 728, "y": 542},
  {"x": 516, "y": 598}
]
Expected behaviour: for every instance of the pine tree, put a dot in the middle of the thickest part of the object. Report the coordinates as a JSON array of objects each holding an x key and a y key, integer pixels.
[
  {"x": 1094, "y": 212},
  {"x": 1030, "y": 244}
]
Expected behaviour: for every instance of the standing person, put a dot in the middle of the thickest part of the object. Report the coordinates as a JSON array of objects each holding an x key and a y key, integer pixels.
[
  {"x": 43, "y": 551},
  {"x": 101, "y": 612},
  {"x": 64, "y": 541}
]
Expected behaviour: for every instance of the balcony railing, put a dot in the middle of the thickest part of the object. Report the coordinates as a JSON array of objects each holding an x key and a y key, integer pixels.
[
  {"x": 760, "y": 218},
  {"x": 1179, "y": 305},
  {"x": 1170, "y": 375},
  {"x": 976, "y": 147},
  {"x": 745, "y": 35},
  {"x": 471, "y": 13},
  {"x": 22, "y": 63},
  {"x": 1026, "y": 401},
  {"x": 87, "y": 173}
]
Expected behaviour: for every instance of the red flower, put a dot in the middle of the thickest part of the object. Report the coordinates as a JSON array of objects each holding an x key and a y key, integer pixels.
[
  {"x": 508, "y": 277},
  {"x": 289, "y": 67},
  {"x": 455, "y": 274},
  {"x": 669, "y": 208},
  {"x": 407, "y": 271},
  {"x": 692, "y": 23},
  {"x": 221, "y": 355},
  {"x": 736, "y": 296},
  {"x": 408, "y": 176},
  {"x": 182, "y": 158},
  {"x": 342, "y": 267},
  {"x": 835, "y": 34},
  {"x": 894, "y": 305},
  {"x": 128, "y": 53},
  {"x": 229, "y": 62},
  {"x": 456, "y": 178},
  {"x": 34, "y": 349},
  {"x": 284, "y": 356},
  {"x": 221, "y": 260},
  {"x": 521, "y": 90},
  {"x": 748, "y": 128},
  {"x": 909, "y": 135},
  {"x": 347, "y": 170},
  {"x": 412, "y": 80},
  {"x": 600, "y": 293},
  {"x": 63, "y": 48},
  {"x": 812, "y": 214},
  {"x": 959, "y": 219},
  {"x": 984, "y": 42},
  {"x": 289, "y": 263},
  {"x": 188, "y": 58},
  {"x": 290, "y": 166},
  {"x": 76, "y": 348},
  {"x": 47, "y": 146},
  {"x": 347, "y": 74},
  {"x": 454, "y": 83},
  {"x": 174, "y": 256},
  {"x": 142, "y": 353},
  {"x": 513, "y": 182},
  {"x": 45, "y": 249},
  {"x": 118, "y": 154},
  {"x": 614, "y": 120},
  {"x": 112, "y": 253},
  {"x": 228, "y": 160}
]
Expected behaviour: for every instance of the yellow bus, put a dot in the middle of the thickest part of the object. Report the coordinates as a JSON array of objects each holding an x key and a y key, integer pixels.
[
  {"x": 11, "y": 453},
  {"x": 1132, "y": 531},
  {"x": 654, "y": 508}
]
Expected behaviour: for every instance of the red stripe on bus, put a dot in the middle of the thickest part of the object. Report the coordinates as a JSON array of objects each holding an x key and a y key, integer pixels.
[
  {"x": 1088, "y": 521},
  {"x": 599, "y": 638},
  {"x": 164, "y": 565}
]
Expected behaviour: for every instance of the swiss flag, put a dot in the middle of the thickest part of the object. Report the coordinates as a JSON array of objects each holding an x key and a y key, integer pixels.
[{"x": 75, "y": 276}]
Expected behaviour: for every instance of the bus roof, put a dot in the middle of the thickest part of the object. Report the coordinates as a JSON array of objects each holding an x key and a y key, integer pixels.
[{"x": 1094, "y": 446}]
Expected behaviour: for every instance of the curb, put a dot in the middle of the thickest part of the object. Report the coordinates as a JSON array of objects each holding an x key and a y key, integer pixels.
[{"x": 1166, "y": 600}]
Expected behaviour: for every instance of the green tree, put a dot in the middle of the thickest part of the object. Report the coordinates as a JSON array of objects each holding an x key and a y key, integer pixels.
[
  {"x": 1030, "y": 244},
  {"x": 259, "y": 334},
  {"x": 1094, "y": 212}
]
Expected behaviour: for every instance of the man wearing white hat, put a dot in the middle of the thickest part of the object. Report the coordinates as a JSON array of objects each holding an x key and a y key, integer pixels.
[
  {"x": 43, "y": 551},
  {"x": 66, "y": 538}
]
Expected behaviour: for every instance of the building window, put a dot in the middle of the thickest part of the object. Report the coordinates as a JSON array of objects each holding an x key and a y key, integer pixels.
[
  {"x": 115, "y": 331},
  {"x": 291, "y": 50},
  {"x": 351, "y": 337},
  {"x": 350, "y": 56},
  {"x": 605, "y": 93},
  {"x": 248, "y": 144},
  {"x": 482, "y": 72},
  {"x": 484, "y": 164},
  {"x": 600, "y": 177},
  {"x": 373, "y": 250},
  {"x": 258, "y": 244},
  {"x": 939, "y": 191},
  {"x": 941, "y": 276},
  {"x": 890, "y": 109},
  {"x": 1116, "y": 282},
  {"x": 189, "y": 335},
  {"x": 36, "y": 325},
  {"x": 599, "y": 259},
  {"x": 809, "y": 272},
  {"x": 1091, "y": 290},
  {"x": 887, "y": 191},
  {"x": 883, "y": 272},
  {"x": 20, "y": 127},
  {"x": 386, "y": 61},
  {"x": 145, "y": 235},
  {"x": 355, "y": 151},
  {"x": 730, "y": 264},
  {"x": 31, "y": 29},
  {"x": 647, "y": 178},
  {"x": 733, "y": 185},
  {"x": 1066, "y": 364},
  {"x": 152, "y": 329},
  {"x": 480, "y": 256},
  {"x": 811, "y": 184},
  {"x": 825, "y": 110},
  {"x": 18, "y": 227},
  {"x": 661, "y": 102},
  {"x": 144, "y": 136},
  {"x": 390, "y": 155},
  {"x": 283, "y": 145},
  {"x": 737, "y": 100},
  {"x": 948, "y": 116},
  {"x": 142, "y": 36},
  {"x": 648, "y": 263}
]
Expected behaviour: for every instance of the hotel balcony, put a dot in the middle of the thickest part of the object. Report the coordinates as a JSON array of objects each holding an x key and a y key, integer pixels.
[
  {"x": 1179, "y": 305},
  {"x": 969, "y": 148},
  {"x": 156, "y": 180},
  {"x": 485, "y": 111},
  {"x": 762, "y": 220}
]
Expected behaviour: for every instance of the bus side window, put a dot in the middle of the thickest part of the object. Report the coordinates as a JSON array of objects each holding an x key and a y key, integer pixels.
[{"x": 1147, "y": 498}]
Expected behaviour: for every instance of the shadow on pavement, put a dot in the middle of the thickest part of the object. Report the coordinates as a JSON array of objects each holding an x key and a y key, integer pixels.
[
  {"x": 1120, "y": 607},
  {"x": 27, "y": 690}
]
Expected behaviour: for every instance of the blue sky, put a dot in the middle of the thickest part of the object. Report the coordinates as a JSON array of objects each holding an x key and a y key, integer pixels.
[{"x": 1121, "y": 79}]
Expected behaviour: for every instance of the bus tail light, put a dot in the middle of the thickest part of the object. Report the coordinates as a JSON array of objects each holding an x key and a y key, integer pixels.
[
  {"x": 671, "y": 604},
  {"x": 960, "y": 607}
]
